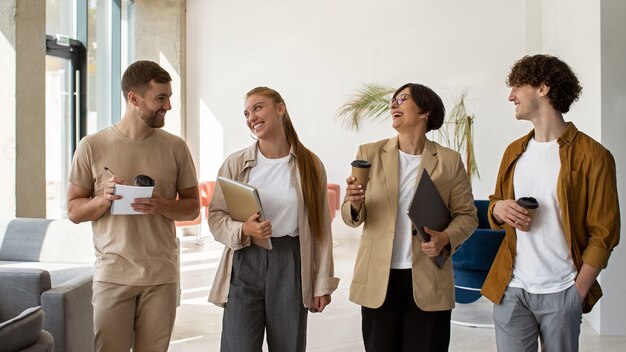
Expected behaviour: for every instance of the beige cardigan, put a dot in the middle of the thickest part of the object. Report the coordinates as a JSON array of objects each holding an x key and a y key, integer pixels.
[
  {"x": 433, "y": 287},
  {"x": 317, "y": 267}
]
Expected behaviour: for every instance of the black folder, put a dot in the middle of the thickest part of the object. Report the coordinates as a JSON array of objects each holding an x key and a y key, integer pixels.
[{"x": 427, "y": 208}]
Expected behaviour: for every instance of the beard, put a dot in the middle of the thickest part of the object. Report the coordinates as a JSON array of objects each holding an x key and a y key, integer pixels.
[
  {"x": 151, "y": 118},
  {"x": 528, "y": 110}
]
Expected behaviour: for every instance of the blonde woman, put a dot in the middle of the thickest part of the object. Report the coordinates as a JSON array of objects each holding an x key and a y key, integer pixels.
[{"x": 272, "y": 291}]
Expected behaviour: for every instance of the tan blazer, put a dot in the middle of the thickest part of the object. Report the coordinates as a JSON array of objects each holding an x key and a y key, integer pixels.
[
  {"x": 433, "y": 288},
  {"x": 316, "y": 255}
]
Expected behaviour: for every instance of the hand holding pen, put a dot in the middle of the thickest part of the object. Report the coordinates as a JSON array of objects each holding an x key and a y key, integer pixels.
[{"x": 109, "y": 189}]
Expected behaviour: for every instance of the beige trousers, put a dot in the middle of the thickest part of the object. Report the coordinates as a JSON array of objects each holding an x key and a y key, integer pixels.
[{"x": 141, "y": 317}]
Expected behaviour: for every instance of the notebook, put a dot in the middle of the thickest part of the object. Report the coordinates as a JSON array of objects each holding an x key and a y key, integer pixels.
[
  {"x": 129, "y": 194},
  {"x": 242, "y": 201},
  {"x": 427, "y": 209}
]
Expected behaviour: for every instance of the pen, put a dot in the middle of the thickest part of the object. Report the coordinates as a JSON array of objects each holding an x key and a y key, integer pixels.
[{"x": 109, "y": 171}]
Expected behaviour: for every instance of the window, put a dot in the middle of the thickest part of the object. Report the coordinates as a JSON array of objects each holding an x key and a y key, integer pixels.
[{"x": 85, "y": 48}]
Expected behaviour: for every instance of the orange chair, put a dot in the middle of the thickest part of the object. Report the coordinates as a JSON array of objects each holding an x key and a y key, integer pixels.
[
  {"x": 209, "y": 188},
  {"x": 205, "y": 190},
  {"x": 332, "y": 201},
  {"x": 335, "y": 187}
]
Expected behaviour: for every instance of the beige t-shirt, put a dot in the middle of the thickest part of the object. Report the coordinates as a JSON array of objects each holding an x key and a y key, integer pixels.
[{"x": 134, "y": 249}]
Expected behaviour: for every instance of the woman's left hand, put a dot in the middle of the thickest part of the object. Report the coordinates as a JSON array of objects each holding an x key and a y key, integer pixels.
[
  {"x": 438, "y": 240},
  {"x": 319, "y": 303}
]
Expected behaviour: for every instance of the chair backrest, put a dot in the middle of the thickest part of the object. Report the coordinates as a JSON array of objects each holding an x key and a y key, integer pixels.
[
  {"x": 332, "y": 202},
  {"x": 335, "y": 187},
  {"x": 206, "y": 192},
  {"x": 479, "y": 251},
  {"x": 471, "y": 262},
  {"x": 207, "y": 195},
  {"x": 46, "y": 240},
  {"x": 483, "y": 212}
]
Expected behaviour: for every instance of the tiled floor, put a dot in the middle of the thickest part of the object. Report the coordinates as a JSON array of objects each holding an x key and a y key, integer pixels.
[{"x": 198, "y": 323}]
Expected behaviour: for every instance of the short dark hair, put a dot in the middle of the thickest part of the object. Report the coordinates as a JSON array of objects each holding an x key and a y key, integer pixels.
[
  {"x": 139, "y": 74},
  {"x": 549, "y": 70},
  {"x": 428, "y": 101}
]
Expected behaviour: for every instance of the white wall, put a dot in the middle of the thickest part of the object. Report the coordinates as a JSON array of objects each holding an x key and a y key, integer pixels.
[
  {"x": 8, "y": 67},
  {"x": 318, "y": 53},
  {"x": 571, "y": 31}
]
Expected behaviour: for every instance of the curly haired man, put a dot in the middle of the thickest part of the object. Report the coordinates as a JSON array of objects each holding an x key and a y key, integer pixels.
[{"x": 544, "y": 277}]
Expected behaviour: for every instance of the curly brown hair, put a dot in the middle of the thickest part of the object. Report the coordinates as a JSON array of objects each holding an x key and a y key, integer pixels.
[{"x": 549, "y": 70}]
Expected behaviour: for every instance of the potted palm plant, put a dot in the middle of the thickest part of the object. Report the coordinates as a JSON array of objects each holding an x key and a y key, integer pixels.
[{"x": 372, "y": 103}]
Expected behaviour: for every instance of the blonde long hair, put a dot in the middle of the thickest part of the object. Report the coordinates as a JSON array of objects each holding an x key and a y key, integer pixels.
[{"x": 307, "y": 164}]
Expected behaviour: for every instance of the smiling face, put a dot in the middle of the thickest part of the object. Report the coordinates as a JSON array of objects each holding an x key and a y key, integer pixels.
[
  {"x": 154, "y": 103},
  {"x": 263, "y": 116},
  {"x": 406, "y": 116},
  {"x": 526, "y": 99}
]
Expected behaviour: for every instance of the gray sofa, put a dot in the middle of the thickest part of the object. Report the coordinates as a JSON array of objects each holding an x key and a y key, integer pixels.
[
  {"x": 25, "y": 333},
  {"x": 49, "y": 263}
]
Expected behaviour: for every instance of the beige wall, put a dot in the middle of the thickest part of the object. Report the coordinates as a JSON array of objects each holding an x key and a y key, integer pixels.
[
  {"x": 23, "y": 125},
  {"x": 159, "y": 35}
]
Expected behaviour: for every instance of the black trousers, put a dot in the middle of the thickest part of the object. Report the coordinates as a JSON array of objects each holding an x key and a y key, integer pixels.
[{"x": 399, "y": 325}]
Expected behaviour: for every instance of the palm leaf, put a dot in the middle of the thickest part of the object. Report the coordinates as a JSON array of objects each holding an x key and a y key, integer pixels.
[
  {"x": 369, "y": 103},
  {"x": 463, "y": 142}
]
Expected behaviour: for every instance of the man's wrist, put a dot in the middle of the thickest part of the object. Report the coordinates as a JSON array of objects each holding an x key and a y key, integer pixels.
[{"x": 495, "y": 217}]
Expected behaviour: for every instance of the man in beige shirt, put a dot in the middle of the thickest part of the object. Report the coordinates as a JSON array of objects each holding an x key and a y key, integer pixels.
[{"x": 136, "y": 269}]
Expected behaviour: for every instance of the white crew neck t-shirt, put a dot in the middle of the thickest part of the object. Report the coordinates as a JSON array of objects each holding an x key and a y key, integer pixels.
[
  {"x": 402, "y": 256},
  {"x": 272, "y": 179},
  {"x": 543, "y": 262}
]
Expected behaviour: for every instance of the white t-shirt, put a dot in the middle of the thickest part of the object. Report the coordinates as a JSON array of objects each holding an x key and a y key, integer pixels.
[
  {"x": 272, "y": 179},
  {"x": 402, "y": 256},
  {"x": 543, "y": 262}
]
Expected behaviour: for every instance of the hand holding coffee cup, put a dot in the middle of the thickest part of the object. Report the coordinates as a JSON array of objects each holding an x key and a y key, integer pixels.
[
  {"x": 361, "y": 172},
  {"x": 530, "y": 204}
]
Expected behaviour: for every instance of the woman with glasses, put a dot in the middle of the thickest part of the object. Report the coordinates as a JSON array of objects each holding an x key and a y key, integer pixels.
[
  {"x": 271, "y": 291},
  {"x": 406, "y": 297}
]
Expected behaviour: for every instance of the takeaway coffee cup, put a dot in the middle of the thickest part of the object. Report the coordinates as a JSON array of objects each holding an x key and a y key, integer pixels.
[
  {"x": 361, "y": 171},
  {"x": 530, "y": 204},
  {"x": 144, "y": 181}
]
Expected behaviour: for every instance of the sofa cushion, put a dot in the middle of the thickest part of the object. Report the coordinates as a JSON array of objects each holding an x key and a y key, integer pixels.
[
  {"x": 59, "y": 272},
  {"x": 45, "y": 240},
  {"x": 22, "y": 331}
]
